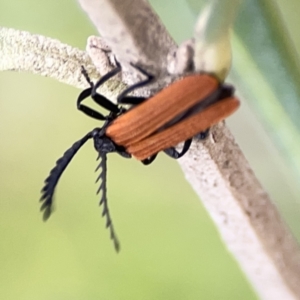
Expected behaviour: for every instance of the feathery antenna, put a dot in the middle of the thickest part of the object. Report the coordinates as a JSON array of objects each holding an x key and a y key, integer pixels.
[
  {"x": 103, "y": 200},
  {"x": 53, "y": 178}
]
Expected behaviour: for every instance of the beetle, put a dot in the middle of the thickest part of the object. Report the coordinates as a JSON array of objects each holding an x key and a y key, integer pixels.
[{"x": 177, "y": 113}]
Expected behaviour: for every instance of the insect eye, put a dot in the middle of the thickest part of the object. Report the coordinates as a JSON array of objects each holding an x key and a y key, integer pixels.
[
  {"x": 98, "y": 143},
  {"x": 108, "y": 145}
]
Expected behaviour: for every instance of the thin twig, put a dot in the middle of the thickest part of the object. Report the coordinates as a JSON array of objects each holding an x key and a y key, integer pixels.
[{"x": 23, "y": 51}]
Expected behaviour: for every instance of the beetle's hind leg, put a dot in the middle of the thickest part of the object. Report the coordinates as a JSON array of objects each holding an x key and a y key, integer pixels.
[
  {"x": 202, "y": 135},
  {"x": 149, "y": 160},
  {"x": 172, "y": 152}
]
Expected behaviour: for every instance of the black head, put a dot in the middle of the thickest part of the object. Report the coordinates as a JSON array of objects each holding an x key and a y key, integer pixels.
[{"x": 103, "y": 144}]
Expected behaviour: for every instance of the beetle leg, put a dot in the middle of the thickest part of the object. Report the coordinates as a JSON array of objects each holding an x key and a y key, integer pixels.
[
  {"x": 85, "y": 109},
  {"x": 202, "y": 135},
  {"x": 106, "y": 77},
  {"x": 122, "y": 99},
  {"x": 172, "y": 152},
  {"x": 124, "y": 153},
  {"x": 149, "y": 160},
  {"x": 98, "y": 98},
  {"x": 86, "y": 76},
  {"x": 132, "y": 100}
]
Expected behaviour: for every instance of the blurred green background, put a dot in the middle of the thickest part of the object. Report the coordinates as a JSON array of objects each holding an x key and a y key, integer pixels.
[{"x": 170, "y": 248}]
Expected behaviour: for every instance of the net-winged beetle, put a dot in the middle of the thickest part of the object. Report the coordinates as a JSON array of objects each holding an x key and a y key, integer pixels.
[{"x": 185, "y": 108}]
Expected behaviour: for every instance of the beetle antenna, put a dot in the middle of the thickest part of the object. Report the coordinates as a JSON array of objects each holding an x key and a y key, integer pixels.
[
  {"x": 103, "y": 201},
  {"x": 53, "y": 178}
]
